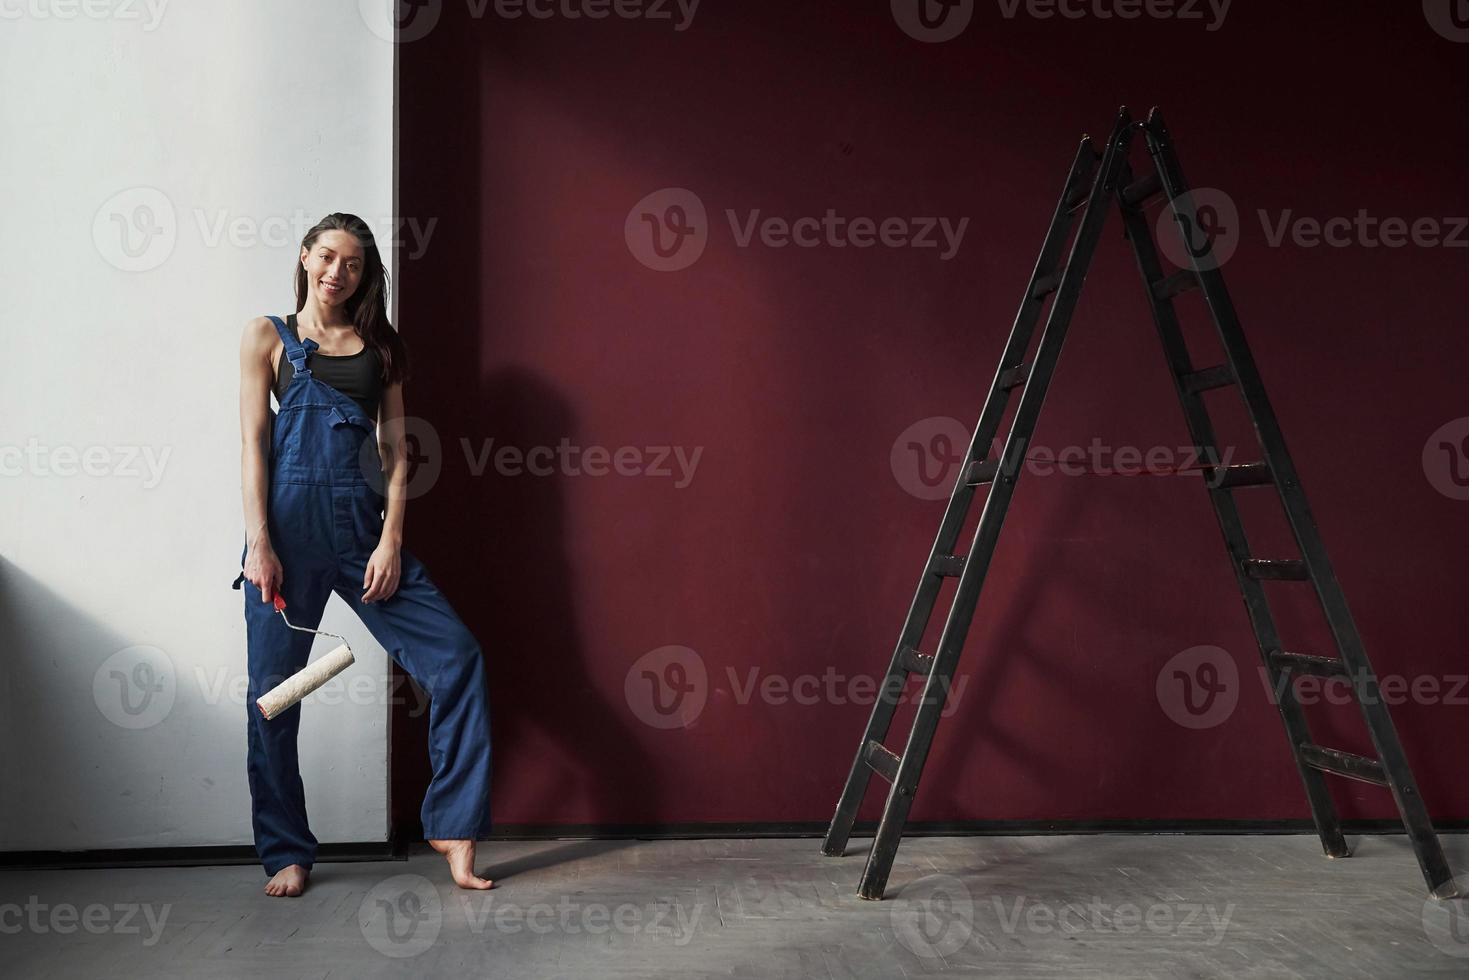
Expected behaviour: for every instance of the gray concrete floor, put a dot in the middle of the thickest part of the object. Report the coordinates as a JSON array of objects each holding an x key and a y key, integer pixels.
[{"x": 1014, "y": 907}]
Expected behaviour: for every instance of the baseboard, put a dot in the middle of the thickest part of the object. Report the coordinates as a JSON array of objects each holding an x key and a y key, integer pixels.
[
  {"x": 398, "y": 847},
  {"x": 187, "y": 856},
  {"x": 964, "y": 828}
]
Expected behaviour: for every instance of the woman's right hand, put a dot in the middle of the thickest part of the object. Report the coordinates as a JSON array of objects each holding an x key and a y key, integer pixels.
[{"x": 264, "y": 569}]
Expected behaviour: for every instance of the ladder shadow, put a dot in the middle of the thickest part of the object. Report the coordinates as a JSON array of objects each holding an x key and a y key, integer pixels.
[{"x": 1005, "y": 642}]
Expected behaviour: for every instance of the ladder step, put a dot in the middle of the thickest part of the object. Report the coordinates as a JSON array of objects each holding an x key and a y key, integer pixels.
[
  {"x": 1014, "y": 377},
  {"x": 1342, "y": 764},
  {"x": 1308, "y": 663},
  {"x": 1180, "y": 282},
  {"x": 981, "y": 471},
  {"x": 1213, "y": 377},
  {"x": 947, "y": 566},
  {"x": 1046, "y": 285},
  {"x": 917, "y": 663},
  {"x": 1140, "y": 190},
  {"x": 1283, "y": 569},
  {"x": 882, "y": 761},
  {"x": 1241, "y": 475}
]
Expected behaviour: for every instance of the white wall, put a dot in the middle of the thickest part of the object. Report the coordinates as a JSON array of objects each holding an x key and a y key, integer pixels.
[{"x": 232, "y": 127}]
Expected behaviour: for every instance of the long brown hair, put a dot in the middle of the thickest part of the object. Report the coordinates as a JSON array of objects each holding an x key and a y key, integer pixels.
[{"x": 367, "y": 306}]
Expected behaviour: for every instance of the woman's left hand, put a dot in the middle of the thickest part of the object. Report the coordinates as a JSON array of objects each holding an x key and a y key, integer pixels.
[{"x": 381, "y": 579}]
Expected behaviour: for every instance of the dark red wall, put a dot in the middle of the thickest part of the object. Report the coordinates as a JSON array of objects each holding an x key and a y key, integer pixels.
[{"x": 795, "y": 549}]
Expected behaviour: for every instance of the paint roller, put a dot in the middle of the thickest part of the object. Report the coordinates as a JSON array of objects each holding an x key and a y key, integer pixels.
[{"x": 310, "y": 677}]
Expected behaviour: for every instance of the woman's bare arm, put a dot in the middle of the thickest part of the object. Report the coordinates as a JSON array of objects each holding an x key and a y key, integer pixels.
[
  {"x": 258, "y": 340},
  {"x": 384, "y": 566},
  {"x": 392, "y": 445}
]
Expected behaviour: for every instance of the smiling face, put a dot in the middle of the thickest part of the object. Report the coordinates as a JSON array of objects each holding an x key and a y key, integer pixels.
[{"x": 333, "y": 266}]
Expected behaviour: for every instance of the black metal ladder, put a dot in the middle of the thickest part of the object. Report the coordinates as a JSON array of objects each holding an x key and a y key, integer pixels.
[{"x": 1095, "y": 179}]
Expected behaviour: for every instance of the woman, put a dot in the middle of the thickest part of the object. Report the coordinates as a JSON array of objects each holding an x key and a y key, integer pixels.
[{"x": 317, "y": 522}]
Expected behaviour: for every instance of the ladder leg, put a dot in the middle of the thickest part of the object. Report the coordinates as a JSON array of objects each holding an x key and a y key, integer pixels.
[
  {"x": 1201, "y": 430},
  {"x": 1002, "y": 476},
  {"x": 941, "y": 555},
  {"x": 1391, "y": 767}
]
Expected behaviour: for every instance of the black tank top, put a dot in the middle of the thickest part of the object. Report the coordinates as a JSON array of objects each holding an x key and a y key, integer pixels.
[{"x": 358, "y": 376}]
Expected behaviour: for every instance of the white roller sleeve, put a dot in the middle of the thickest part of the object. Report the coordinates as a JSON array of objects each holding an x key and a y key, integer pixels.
[{"x": 302, "y": 683}]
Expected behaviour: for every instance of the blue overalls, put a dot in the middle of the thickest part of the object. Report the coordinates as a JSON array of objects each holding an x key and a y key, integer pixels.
[{"x": 325, "y": 517}]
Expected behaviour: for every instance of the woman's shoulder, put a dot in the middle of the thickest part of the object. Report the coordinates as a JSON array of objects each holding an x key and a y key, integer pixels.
[
  {"x": 259, "y": 333},
  {"x": 264, "y": 325}
]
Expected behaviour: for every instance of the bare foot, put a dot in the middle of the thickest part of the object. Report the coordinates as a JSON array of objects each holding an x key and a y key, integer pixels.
[
  {"x": 288, "y": 882},
  {"x": 461, "y": 863}
]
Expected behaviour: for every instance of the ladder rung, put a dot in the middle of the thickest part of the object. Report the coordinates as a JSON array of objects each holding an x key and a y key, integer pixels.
[
  {"x": 882, "y": 761},
  {"x": 947, "y": 566},
  {"x": 1046, "y": 285},
  {"x": 1180, "y": 282},
  {"x": 1342, "y": 763},
  {"x": 1241, "y": 475},
  {"x": 1140, "y": 190},
  {"x": 1014, "y": 377},
  {"x": 981, "y": 471},
  {"x": 1212, "y": 377},
  {"x": 1078, "y": 195},
  {"x": 1281, "y": 569},
  {"x": 1308, "y": 663},
  {"x": 915, "y": 662}
]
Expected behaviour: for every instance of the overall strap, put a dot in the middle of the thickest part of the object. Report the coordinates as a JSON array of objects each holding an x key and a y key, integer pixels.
[{"x": 295, "y": 350}]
